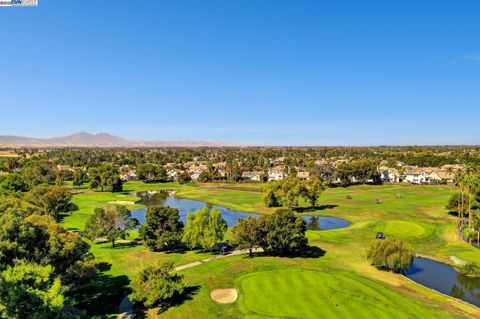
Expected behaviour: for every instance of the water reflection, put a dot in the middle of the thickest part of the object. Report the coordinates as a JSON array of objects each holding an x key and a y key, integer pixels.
[
  {"x": 445, "y": 279},
  {"x": 325, "y": 222},
  {"x": 184, "y": 206}
]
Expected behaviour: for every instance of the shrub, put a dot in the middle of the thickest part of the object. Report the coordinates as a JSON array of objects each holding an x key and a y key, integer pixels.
[{"x": 471, "y": 270}]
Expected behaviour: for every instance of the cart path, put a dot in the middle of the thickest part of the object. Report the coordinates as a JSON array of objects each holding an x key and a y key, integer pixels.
[{"x": 126, "y": 306}]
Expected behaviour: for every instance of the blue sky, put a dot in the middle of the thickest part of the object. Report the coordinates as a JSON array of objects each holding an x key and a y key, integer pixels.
[{"x": 260, "y": 72}]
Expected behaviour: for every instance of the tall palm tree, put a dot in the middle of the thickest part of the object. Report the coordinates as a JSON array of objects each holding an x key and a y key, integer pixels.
[
  {"x": 472, "y": 182},
  {"x": 460, "y": 183}
]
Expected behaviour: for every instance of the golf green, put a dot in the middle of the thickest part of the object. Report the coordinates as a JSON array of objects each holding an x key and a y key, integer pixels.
[{"x": 300, "y": 293}]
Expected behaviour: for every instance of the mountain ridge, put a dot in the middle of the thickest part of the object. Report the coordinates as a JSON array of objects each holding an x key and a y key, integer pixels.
[{"x": 84, "y": 139}]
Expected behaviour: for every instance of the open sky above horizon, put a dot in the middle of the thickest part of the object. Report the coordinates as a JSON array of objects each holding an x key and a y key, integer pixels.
[{"x": 257, "y": 72}]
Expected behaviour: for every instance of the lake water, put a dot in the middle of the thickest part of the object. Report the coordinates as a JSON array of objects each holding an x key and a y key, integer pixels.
[
  {"x": 325, "y": 222},
  {"x": 445, "y": 279},
  {"x": 186, "y": 206}
]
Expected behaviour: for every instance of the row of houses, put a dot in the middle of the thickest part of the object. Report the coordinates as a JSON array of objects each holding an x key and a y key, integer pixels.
[
  {"x": 421, "y": 175},
  {"x": 273, "y": 174}
]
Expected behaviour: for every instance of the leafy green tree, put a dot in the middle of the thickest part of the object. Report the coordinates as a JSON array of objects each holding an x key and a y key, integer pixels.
[
  {"x": 312, "y": 190},
  {"x": 391, "y": 254},
  {"x": 247, "y": 234},
  {"x": 18, "y": 204},
  {"x": 52, "y": 199},
  {"x": 157, "y": 286},
  {"x": 283, "y": 233},
  {"x": 151, "y": 172},
  {"x": 79, "y": 177},
  {"x": 183, "y": 178},
  {"x": 163, "y": 228},
  {"x": 30, "y": 291},
  {"x": 290, "y": 199},
  {"x": 204, "y": 227},
  {"x": 39, "y": 172},
  {"x": 112, "y": 223},
  {"x": 214, "y": 231},
  {"x": 106, "y": 178},
  {"x": 40, "y": 240},
  {"x": 13, "y": 183},
  {"x": 270, "y": 199}
]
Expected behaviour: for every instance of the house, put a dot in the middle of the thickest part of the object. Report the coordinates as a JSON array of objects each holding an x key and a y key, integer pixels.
[
  {"x": 252, "y": 176},
  {"x": 389, "y": 175},
  {"x": 303, "y": 175},
  {"x": 173, "y": 173},
  {"x": 127, "y": 173},
  {"x": 195, "y": 176},
  {"x": 440, "y": 176},
  {"x": 416, "y": 175},
  {"x": 276, "y": 174}
]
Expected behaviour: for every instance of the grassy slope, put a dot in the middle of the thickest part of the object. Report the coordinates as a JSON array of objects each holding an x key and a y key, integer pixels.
[{"x": 418, "y": 217}]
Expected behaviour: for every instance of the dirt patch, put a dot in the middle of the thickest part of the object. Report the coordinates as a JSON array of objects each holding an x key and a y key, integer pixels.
[{"x": 224, "y": 296}]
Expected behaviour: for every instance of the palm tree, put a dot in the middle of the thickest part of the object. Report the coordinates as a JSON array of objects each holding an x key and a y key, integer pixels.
[
  {"x": 460, "y": 183},
  {"x": 472, "y": 183}
]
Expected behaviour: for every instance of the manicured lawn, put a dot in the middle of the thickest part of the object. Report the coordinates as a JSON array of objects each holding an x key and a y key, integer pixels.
[
  {"x": 314, "y": 285},
  {"x": 313, "y": 294}
]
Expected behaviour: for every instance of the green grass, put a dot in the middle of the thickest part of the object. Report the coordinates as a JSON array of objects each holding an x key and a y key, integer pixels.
[
  {"x": 418, "y": 217},
  {"x": 311, "y": 294}
]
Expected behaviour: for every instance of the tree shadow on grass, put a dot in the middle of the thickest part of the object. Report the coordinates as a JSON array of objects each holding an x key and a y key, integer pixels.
[
  {"x": 118, "y": 245},
  {"x": 314, "y": 208},
  {"x": 102, "y": 297},
  {"x": 187, "y": 295},
  {"x": 307, "y": 252}
]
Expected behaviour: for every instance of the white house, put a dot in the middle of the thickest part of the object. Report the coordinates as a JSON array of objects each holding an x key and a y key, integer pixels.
[
  {"x": 389, "y": 175},
  {"x": 252, "y": 176},
  {"x": 416, "y": 175},
  {"x": 275, "y": 175},
  {"x": 173, "y": 173}
]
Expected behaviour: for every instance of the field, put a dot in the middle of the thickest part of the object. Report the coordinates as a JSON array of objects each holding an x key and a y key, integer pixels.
[{"x": 340, "y": 284}]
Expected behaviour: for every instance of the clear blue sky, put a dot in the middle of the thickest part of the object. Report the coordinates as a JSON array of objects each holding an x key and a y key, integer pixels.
[{"x": 264, "y": 72}]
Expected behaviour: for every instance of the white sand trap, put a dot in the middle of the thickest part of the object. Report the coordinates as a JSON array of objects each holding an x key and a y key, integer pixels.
[
  {"x": 121, "y": 202},
  {"x": 224, "y": 295}
]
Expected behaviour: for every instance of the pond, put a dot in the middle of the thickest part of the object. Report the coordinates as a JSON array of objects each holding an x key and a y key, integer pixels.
[
  {"x": 185, "y": 206},
  {"x": 325, "y": 222},
  {"x": 445, "y": 279}
]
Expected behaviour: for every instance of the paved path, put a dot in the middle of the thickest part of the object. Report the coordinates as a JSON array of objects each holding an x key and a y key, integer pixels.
[
  {"x": 197, "y": 263},
  {"x": 126, "y": 306}
]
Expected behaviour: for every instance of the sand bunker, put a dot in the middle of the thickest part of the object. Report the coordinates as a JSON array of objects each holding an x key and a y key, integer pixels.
[
  {"x": 224, "y": 296},
  {"x": 121, "y": 202}
]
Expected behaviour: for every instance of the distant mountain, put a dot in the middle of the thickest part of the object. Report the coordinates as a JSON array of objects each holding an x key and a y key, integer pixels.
[{"x": 83, "y": 139}]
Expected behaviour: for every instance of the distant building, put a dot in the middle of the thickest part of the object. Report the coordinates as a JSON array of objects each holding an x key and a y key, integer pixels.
[
  {"x": 389, "y": 175},
  {"x": 252, "y": 176},
  {"x": 416, "y": 175},
  {"x": 440, "y": 176},
  {"x": 276, "y": 174},
  {"x": 303, "y": 175}
]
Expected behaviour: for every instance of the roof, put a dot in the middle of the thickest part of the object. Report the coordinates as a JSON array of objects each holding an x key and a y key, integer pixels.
[
  {"x": 251, "y": 174},
  {"x": 445, "y": 175}
]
